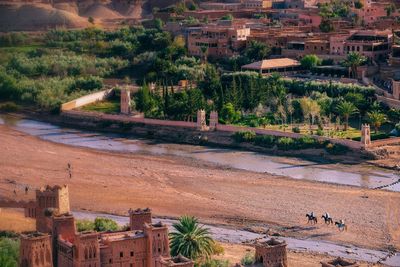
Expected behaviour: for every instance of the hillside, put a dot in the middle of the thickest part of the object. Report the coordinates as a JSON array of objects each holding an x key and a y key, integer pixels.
[{"x": 40, "y": 15}]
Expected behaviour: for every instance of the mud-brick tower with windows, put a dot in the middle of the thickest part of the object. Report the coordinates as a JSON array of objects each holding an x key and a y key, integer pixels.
[
  {"x": 272, "y": 253},
  {"x": 35, "y": 250},
  {"x": 138, "y": 218}
]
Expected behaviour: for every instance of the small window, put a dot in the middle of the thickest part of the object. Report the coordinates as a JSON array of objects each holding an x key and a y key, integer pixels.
[
  {"x": 110, "y": 261},
  {"x": 121, "y": 254},
  {"x": 132, "y": 254}
]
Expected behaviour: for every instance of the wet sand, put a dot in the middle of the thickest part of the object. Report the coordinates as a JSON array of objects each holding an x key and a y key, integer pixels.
[{"x": 172, "y": 186}]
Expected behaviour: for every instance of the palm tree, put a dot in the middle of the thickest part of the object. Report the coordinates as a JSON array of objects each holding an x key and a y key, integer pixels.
[
  {"x": 376, "y": 119},
  {"x": 346, "y": 110},
  {"x": 190, "y": 239},
  {"x": 353, "y": 61}
]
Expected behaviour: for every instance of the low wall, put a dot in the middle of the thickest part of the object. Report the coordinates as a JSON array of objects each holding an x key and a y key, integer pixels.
[
  {"x": 230, "y": 128},
  {"x": 127, "y": 119},
  {"x": 391, "y": 102},
  {"x": 87, "y": 99}
]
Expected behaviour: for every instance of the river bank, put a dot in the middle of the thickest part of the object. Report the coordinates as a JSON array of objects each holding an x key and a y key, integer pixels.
[
  {"x": 182, "y": 135},
  {"x": 360, "y": 175},
  {"x": 111, "y": 182}
]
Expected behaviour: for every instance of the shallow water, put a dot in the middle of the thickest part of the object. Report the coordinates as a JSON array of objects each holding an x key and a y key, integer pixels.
[
  {"x": 355, "y": 175},
  {"x": 229, "y": 235}
]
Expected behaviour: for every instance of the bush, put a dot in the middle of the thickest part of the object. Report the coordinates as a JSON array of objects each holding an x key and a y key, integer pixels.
[
  {"x": 9, "y": 107},
  {"x": 306, "y": 142},
  {"x": 84, "y": 225},
  {"x": 296, "y": 129},
  {"x": 215, "y": 263},
  {"x": 285, "y": 143},
  {"x": 9, "y": 252},
  {"x": 218, "y": 249},
  {"x": 245, "y": 136},
  {"x": 105, "y": 224},
  {"x": 320, "y": 132},
  {"x": 336, "y": 149},
  {"x": 248, "y": 259},
  {"x": 265, "y": 140}
]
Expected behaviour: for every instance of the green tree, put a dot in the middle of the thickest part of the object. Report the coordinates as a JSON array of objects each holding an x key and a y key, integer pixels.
[
  {"x": 353, "y": 61},
  {"x": 91, "y": 20},
  {"x": 256, "y": 51},
  {"x": 9, "y": 252},
  {"x": 310, "y": 109},
  {"x": 326, "y": 26},
  {"x": 84, "y": 225},
  {"x": 309, "y": 62},
  {"x": 229, "y": 114},
  {"x": 105, "y": 224},
  {"x": 346, "y": 110},
  {"x": 190, "y": 239},
  {"x": 227, "y": 17},
  {"x": 358, "y": 5},
  {"x": 376, "y": 119}
]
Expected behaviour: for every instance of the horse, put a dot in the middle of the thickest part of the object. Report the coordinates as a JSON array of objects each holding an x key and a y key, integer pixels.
[
  {"x": 312, "y": 218},
  {"x": 341, "y": 225},
  {"x": 327, "y": 218}
]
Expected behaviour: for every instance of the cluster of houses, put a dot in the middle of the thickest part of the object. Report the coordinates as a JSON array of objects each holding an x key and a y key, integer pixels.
[{"x": 291, "y": 29}]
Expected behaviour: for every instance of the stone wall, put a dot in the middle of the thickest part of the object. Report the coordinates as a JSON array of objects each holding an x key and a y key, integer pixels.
[{"x": 87, "y": 99}]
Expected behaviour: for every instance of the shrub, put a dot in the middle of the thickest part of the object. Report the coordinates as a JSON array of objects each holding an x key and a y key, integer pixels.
[
  {"x": 296, "y": 129},
  {"x": 245, "y": 136},
  {"x": 9, "y": 107},
  {"x": 84, "y": 225},
  {"x": 218, "y": 249},
  {"x": 320, "y": 132},
  {"x": 105, "y": 224},
  {"x": 336, "y": 149},
  {"x": 306, "y": 142},
  {"x": 215, "y": 263},
  {"x": 265, "y": 140},
  {"x": 285, "y": 143},
  {"x": 9, "y": 252},
  {"x": 248, "y": 259}
]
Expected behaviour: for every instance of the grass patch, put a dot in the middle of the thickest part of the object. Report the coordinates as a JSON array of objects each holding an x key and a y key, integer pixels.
[
  {"x": 9, "y": 107},
  {"x": 108, "y": 107}
]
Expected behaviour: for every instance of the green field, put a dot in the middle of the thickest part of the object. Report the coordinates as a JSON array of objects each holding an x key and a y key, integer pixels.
[{"x": 108, "y": 106}]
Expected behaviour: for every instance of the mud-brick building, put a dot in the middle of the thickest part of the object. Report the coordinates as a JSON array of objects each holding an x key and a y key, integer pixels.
[
  {"x": 35, "y": 250},
  {"x": 57, "y": 243},
  {"x": 272, "y": 253}
]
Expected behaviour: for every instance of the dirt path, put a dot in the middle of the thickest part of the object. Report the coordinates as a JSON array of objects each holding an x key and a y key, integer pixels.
[{"x": 114, "y": 182}]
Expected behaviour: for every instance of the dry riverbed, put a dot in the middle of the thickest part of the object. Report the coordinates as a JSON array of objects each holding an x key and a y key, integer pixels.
[{"x": 172, "y": 186}]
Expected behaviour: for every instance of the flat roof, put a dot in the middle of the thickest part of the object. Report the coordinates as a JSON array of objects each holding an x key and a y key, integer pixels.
[{"x": 272, "y": 64}]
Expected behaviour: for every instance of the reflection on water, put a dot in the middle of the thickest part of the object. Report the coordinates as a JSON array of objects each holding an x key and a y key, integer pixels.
[{"x": 356, "y": 175}]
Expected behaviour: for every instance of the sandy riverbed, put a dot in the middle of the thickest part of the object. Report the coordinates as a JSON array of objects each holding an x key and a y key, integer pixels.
[{"x": 172, "y": 186}]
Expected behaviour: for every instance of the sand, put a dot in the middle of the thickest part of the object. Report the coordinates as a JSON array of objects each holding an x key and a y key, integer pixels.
[
  {"x": 171, "y": 186},
  {"x": 17, "y": 17}
]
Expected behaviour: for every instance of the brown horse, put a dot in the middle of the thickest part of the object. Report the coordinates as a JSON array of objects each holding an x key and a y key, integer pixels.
[
  {"x": 312, "y": 218},
  {"x": 328, "y": 219}
]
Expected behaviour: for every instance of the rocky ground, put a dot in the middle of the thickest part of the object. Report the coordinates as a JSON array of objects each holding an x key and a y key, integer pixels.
[{"x": 171, "y": 186}]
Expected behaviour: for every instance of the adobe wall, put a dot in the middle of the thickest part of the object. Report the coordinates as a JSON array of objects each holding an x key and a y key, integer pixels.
[
  {"x": 35, "y": 251},
  {"x": 87, "y": 99}
]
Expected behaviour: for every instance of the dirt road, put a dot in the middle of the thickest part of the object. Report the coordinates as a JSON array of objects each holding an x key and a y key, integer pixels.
[{"x": 113, "y": 182}]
